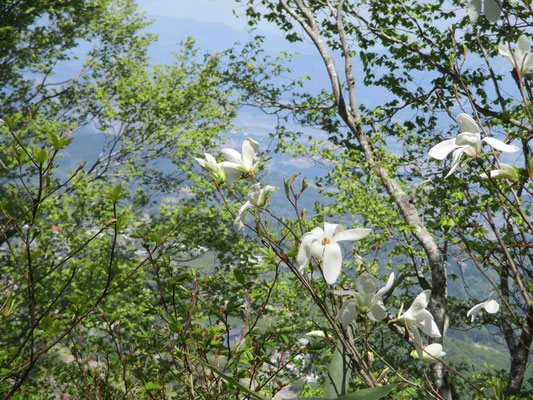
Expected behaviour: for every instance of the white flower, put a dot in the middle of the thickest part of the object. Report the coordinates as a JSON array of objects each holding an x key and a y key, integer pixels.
[
  {"x": 521, "y": 58},
  {"x": 467, "y": 142},
  {"x": 257, "y": 197},
  {"x": 239, "y": 164},
  {"x": 319, "y": 334},
  {"x": 431, "y": 353},
  {"x": 368, "y": 297},
  {"x": 417, "y": 317},
  {"x": 505, "y": 171},
  {"x": 348, "y": 312},
  {"x": 214, "y": 169},
  {"x": 492, "y": 10},
  {"x": 490, "y": 306},
  {"x": 322, "y": 244}
]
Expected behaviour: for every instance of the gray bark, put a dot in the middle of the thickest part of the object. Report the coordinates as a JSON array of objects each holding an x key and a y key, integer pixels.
[{"x": 520, "y": 350}]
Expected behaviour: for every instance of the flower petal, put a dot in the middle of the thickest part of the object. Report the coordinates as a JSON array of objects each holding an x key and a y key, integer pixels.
[
  {"x": 441, "y": 150},
  {"x": 528, "y": 63},
  {"x": 232, "y": 155},
  {"x": 433, "y": 352},
  {"x": 232, "y": 174},
  {"x": 318, "y": 232},
  {"x": 494, "y": 174},
  {"x": 317, "y": 333},
  {"x": 201, "y": 162},
  {"x": 504, "y": 50},
  {"x": 260, "y": 198},
  {"x": 366, "y": 284},
  {"x": 252, "y": 144},
  {"x": 317, "y": 249},
  {"x": 387, "y": 286},
  {"x": 348, "y": 312},
  {"x": 231, "y": 164},
  {"x": 455, "y": 161},
  {"x": 270, "y": 189},
  {"x": 491, "y": 306},
  {"x": 505, "y": 171},
  {"x": 210, "y": 158},
  {"x": 351, "y": 234},
  {"x": 332, "y": 229},
  {"x": 254, "y": 194},
  {"x": 466, "y": 123},
  {"x": 499, "y": 145},
  {"x": 419, "y": 344},
  {"x": 523, "y": 46},
  {"x": 434, "y": 349},
  {"x": 332, "y": 262},
  {"x": 254, "y": 189},
  {"x": 474, "y": 311},
  {"x": 249, "y": 150},
  {"x": 378, "y": 313},
  {"x": 474, "y": 9},
  {"x": 304, "y": 252},
  {"x": 427, "y": 323},
  {"x": 366, "y": 301},
  {"x": 421, "y": 301},
  {"x": 238, "y": 224},
  {"x": 492, "y": 10},
  {"x": 471, "y": 139}
]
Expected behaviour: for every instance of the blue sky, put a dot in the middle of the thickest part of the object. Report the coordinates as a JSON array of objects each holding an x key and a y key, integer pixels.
[
  {"x": 204, "y": 11},
  {"x": 200, "y": 10},
  {"x": 216, "y": 24}
]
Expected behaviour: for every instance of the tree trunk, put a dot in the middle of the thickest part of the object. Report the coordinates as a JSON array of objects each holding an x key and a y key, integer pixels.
[{"x": 519, "y": 358}]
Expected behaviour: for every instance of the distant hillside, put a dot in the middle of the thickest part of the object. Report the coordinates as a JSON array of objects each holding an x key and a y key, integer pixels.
[{"x": 481, "y": 358}]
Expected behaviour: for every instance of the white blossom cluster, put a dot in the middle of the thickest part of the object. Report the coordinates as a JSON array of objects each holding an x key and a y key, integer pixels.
[{"x": 236, "y": 166}]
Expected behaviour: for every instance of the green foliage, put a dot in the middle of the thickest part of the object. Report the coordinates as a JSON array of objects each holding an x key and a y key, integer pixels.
[
  {"x": 81, "y": 257},
  {"x": 121, "y": 274},
  {"x": 366, "y": 394},
  {"x": 338, "y": 374}
]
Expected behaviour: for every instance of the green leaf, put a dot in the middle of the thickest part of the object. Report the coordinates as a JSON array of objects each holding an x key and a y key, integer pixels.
[
  {"x": 152, "y": 386},
  {"x": 239, "y": 276},
  {"x": 9, "y": 122},
  {"x": 338, "y": 374},
  {"x": 76, "y": 300},
  {"x": 40, "y": 155},
  {"x": 365, "y": 394},
  {"x": 46, "y": 322},
  {"x": 306, "y": 398},
  {"x": 230, "y": 380},
  {"x": 115, "y": 192},
  {"x": 54, "y": 140},
  {"x": 304, "y": 186},
  {"x": 56, "y": 326},
  {"x": 369, "y": 394},
  {"x": 122, "y": 222},
  {"x": 64, "y": 141},
  {"x": 174, "y": 324}
]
